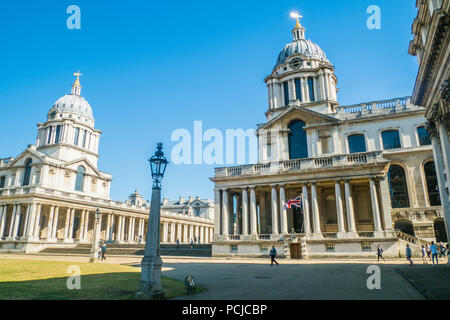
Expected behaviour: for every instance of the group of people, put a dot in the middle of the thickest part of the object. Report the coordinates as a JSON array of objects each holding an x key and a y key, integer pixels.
[
  {"x": 429, "y": 252},
  {"x": 434, "y": 252}
]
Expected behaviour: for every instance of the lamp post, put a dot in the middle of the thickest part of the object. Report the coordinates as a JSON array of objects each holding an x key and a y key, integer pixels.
[
  {"x": 150, "y": 286},
  {"x": 93, "y": 257}
]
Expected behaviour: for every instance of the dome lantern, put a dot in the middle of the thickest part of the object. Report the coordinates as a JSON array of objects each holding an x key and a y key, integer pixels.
[{"x": 76, "y": 87}]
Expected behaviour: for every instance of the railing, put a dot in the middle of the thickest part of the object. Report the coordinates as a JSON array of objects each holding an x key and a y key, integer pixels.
[
  {"x": 329, "y": 235},
  {"x": 366, "y": 234},
  {"x": 263, "y": 236},
  {"x": 276, "y": 167},
  {"x": 374, "y": 107},
  {"x": 411, "y": 239},
  {"x": 234, "y": 237}
]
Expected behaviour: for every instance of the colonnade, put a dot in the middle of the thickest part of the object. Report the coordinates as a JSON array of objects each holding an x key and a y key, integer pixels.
[
  {"x": 185, "y": 232},
  {"x": 242, "y": 212}
]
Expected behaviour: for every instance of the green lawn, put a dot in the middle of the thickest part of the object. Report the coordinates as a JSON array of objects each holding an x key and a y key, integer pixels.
[{"x": 47, "y": 280}]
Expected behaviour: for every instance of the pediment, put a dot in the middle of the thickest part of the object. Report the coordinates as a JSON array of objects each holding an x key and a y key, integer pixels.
[
  {"x": 36, "y": 157},
  {"x": 310, "y": 117},
  {"x": 82, "y": 162}
]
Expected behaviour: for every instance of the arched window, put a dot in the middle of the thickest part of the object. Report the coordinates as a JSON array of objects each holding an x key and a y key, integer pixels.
[
  {"x": 432, "y": 185},
  {"x": 398, "y": 187},
  {"x": 57, "y": 134},
  {"x": 27, "y": 174},
  {"x": 79, "y": 182},
  {"x": 424, "y": 139},
  {"x": 391, "y": 139},
  {"x": 356, "y": 143},
  {"x": 298, "y": 147}
]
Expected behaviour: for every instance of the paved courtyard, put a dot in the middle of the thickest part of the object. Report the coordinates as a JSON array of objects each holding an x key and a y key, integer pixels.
[{"x": 242, "y": 279}]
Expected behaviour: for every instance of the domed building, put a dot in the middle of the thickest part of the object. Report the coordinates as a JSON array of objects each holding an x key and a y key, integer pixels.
[
  {"x": 331, "y": 180},
  {"x": 49, "y": 193}
]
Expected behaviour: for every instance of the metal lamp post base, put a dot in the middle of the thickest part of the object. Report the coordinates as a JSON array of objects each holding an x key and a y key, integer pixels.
[{"x": 150, "y": 286}]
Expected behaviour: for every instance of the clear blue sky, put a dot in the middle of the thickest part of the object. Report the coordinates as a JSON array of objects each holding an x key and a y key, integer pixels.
[{"x": 154, "y": 66}]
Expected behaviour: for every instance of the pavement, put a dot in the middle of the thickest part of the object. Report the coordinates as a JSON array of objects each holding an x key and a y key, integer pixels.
[{"x": 255, "y": 279}]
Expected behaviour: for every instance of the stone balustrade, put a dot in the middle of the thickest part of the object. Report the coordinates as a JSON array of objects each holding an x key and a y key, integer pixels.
[
  {"x": 371, "y": 157},
  {"x": 373, "y": 108}
]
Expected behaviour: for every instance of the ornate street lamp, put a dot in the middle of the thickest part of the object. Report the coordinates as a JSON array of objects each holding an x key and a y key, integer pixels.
[
  {"x": 150, "y": 286},
  {"x": 93, "y": 257}
]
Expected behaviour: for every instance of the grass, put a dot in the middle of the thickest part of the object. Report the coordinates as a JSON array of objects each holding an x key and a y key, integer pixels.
[{"x": 47, "y": 280}]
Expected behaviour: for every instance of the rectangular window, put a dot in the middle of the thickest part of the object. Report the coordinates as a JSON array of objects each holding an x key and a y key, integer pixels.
[
  {"x": 286, "y": 93},
  {"x": 2, "y": 182},
  {"x": 234, "y": 248},
  {"x": 391, "y": 139},
  {"x": 77, "y": 135},
  {"x": 263, "y": 248},
  {"x": 58, "y": 134},
  {"x": 366, "y": 246},
  {"x": 298, "y": 89},
  {"x": 424, "y": 139},
  {"x": 356, "y": 143},
  {"x": 329, "y": 247},
  {"x": 50, "y": 131},
  {"x": 311, "y": 89},
  {"x": 84, "y": 138}
]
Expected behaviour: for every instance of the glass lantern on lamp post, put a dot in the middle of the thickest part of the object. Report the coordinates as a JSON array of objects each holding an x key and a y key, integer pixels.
[
  {"x": 150, "y": 286},
  {"x": 93, "y": 257}
]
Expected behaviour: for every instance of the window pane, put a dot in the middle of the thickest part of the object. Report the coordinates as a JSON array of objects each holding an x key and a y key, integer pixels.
[
  {"x": 77, "y": 134},
  {"x": 298, "y": 90},
  {"x": 432, "y": 185},
  {"x": 26, "y": 177},
  {"x": 424, "y": 139},
  {"x": 80, "y": 179},
  {"x": 398, "y": 187},
  {"x": 356, "y": 143},
  {"x": 58, "y": 134},
  {"x": 2, "y": 182},
  {"x": 311, "y": 89},
  {"x": 50, "y": 130},
  {"x": 84, "y": 138},
  {"x": 391, "y": 139},
  {"x": 298, "y": 147},
  {"x": 286, "y": 93}
]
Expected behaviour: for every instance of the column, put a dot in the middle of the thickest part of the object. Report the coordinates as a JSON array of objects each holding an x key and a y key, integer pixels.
[
  {"x": 27, "y": 220},
  {"x": 31, "y": 222},
  {"x": 17, "y": 221},
  {"x": 339, "y": 210},
  {"x": 304, "y": 86},
  {"x": 445, "y": 146},
  {"x": 440, "y": 171},
  {"x": 350, "y": 212},
  {"x": 72, "y": 218},
  {"x": 2, "y": 220},
  {"x": 130, "y": 221},
  {"x": 37, "y": 225},
  {"x": 225, "y": 227},
  {"x": 274, "y": 210},
  {"x": 12, "y": 222},
  {"x": 253, "y": 217},
  {"x": 185, "y": 234},
  {"x": 133, "y": 237},
  {"x": 165, "y": 232},
  {"x": 108, "y": 227},
  {"x": 386, "y": 206},
  {"x": 375, "y": 209},
  {"x": 119, "y": 228},
  {"x": 50, "y": 223},
  {"x": 217, "y": 221},
  {"x": 55, "y": 224},
  {"x": 245, "y": 217},
  {"x": 283, "y": 211},
  {"x": 315, "y": 212},
  {"x": 83, "y": 217},
  {"x": 306, "y": 215},
  {"x": 179, "y": 235},
  {"x": 66, "y": 225},
  {"x": 86, "y": 226},
  {"x": 202, "y": 234}
]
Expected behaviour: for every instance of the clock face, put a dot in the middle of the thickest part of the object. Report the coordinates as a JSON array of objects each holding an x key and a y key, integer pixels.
[
  {"x": 296, "y": 63},
  {"x": 53, "y": 115}
]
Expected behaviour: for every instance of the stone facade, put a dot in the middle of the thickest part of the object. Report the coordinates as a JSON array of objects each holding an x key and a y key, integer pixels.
[
  {"x": 353, "y": 199},
  {"x": 49, "y": 193}
]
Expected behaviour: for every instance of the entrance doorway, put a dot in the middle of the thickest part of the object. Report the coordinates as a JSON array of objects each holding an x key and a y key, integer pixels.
[
  {"x": 296, "y": 250},
  {"x": 298, "y": 220}
]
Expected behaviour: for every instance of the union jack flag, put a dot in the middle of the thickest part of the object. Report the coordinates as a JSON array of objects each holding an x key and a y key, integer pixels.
[{"x": 295, "y": 202}]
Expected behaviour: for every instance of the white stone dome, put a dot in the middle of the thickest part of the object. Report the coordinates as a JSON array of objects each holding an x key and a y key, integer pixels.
[
  {"x": 301, "y": 46},
  {"x": 73, "y": 103}
]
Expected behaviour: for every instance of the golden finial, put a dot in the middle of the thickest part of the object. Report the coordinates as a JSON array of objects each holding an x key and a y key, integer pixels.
[
  {"x": 297, "y": 16},
  {"x": 78, "y": 75}
]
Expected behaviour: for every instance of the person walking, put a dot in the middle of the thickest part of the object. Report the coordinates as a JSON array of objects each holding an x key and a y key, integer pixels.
[
  {"x": 178, "y": 244},
  {"x": 192, "y": 243},
  {"x": 434, "y": 252},
  {"x": 103, "y": 251},
  {"x": 442, "y": 249},
  {"x": 424, "y": 255},
  {"x": 428, "y": 252},
  {"x": 273, "y": 254},
  {"x": 380, "y": 253},
  {"x": 409, "y": 255}
]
